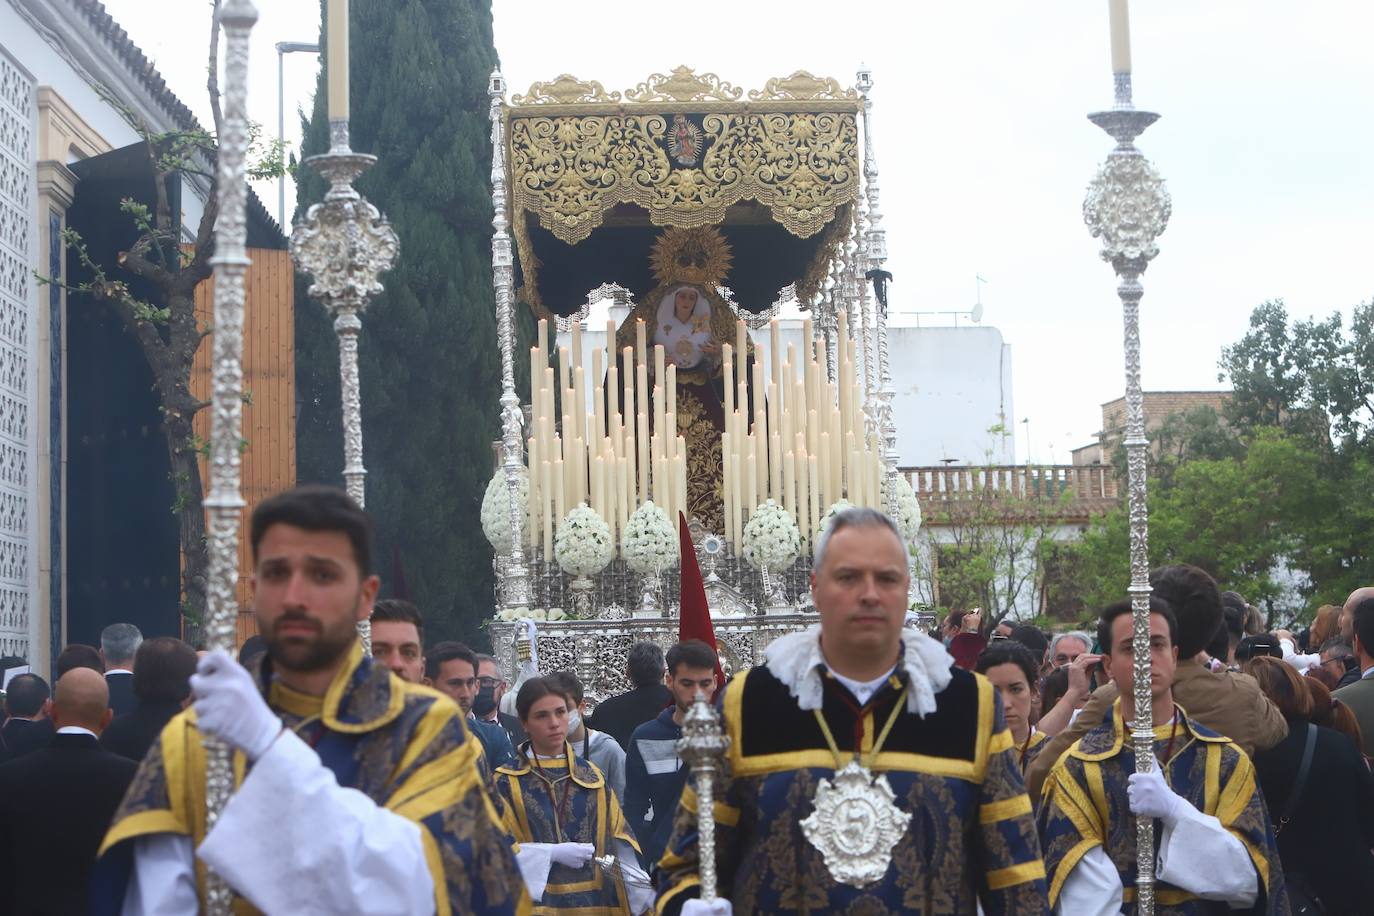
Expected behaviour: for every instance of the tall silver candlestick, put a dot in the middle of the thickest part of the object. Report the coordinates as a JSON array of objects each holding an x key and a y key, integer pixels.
[
  {"x": 702, "y": 747},
  {"x": 224, "y": 503},
  {"x": 1127, "y": 207},
  {"x": 515, "y": 583},
  {"x": 345, "y": 244}
]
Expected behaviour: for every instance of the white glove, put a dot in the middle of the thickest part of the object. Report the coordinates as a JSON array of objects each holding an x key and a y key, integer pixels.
[
  {"x": 718, "y": 907},
  {"x": 229, "y": 705},
  {"x": 573, "y": 855},
  {"x": 1151, "y": 796}
]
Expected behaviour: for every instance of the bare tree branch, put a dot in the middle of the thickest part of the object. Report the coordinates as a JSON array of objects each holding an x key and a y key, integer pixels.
[{"x": 212, "y": 78}]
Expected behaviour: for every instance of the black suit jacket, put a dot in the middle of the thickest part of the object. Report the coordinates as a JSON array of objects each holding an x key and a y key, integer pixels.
[
  {"x": 55, "y": 806},
  {"x": 23, "y": 737},
  {"x": 130, "y": 736},
  {"x": 620, "y": 715},
  {"x": 1331, "y": 832},
  {"x": 121, "y": 693}
]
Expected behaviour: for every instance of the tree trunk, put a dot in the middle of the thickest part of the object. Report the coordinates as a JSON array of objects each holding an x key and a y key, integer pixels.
[{"x": 195, "y": 553}]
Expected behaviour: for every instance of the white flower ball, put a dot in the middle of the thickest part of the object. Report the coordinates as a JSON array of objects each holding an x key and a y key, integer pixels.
[
  {"x": 834, "y": 510},
  {"x": 650, "y": 544},
  {"x": 583, "y": 545},
  {"x": 496, "y": 509},
  {"x": 771, "y": 538}
]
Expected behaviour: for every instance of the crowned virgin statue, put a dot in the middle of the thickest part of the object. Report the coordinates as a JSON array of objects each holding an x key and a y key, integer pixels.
[{"x": 692, "y": 322}]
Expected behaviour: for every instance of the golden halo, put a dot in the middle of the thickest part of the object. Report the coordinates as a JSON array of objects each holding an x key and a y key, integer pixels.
[{"x": 697, "y": 255}]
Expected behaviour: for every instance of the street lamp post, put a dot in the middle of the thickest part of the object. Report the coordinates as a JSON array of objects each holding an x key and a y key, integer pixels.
[{"x": 284, "y": 48}]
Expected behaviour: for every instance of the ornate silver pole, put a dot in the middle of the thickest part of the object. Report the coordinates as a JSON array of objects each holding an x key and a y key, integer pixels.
[
  {"x": 702, "y": 747},
  {"x": 875, "y": 258},
  {"x": 225, "y": 500},
  {"x": 345, "y": 243},
  {"x": 515, "y": 586},
  {"x": 1127, "y": 207}
]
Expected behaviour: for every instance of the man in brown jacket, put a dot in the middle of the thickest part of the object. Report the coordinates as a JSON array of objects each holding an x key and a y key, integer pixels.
[{"x": 1229, "y": 703}]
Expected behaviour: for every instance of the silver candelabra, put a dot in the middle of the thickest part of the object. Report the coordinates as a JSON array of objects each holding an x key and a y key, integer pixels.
[
  {"x": 1127, "y": 207},
  {"x": 515, "y": 584},
  {"x": 345, "y": 244},
  {"x": 225, "y": 500}
]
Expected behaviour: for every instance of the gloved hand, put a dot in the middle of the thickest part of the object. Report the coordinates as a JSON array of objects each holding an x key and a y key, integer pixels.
[
  {"x": 573, "y": 855},
  {"x": 229, "y": 705},
  {"x": 718, "y": 907},
  {"x": 1150, "y": 796}
]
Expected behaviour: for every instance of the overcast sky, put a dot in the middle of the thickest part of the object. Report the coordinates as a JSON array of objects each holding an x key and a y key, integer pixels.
[{"x": 984, "y": 152}]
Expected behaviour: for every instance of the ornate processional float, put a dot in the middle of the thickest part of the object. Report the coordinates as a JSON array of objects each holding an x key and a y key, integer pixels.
[{"x": 696, "y": 210}]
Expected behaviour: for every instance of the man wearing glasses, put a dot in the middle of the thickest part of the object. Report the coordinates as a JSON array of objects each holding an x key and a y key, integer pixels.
[{"x": 451, "y": 668}]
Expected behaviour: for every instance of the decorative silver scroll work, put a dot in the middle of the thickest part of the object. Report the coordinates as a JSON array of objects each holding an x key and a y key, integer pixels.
[
  {"x": 702, "y": 747},
  {"x": 856, "y": 825},
  {"x": 515, "y": 583},
  {"x": 225, "y": 501},
  {"x": 1128, "y": 207},
  {"x": 345, "y": 244}
]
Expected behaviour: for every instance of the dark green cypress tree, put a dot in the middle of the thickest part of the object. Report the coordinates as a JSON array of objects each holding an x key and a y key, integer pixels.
[{"x": 428, "y": 356}]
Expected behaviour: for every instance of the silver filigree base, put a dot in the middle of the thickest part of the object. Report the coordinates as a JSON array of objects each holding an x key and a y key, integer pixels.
[{"x": 582, "y": 589}]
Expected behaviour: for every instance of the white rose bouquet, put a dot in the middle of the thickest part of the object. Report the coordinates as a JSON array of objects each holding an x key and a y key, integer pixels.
[
  {"x": 525, "y": 613},
  {"x": 650, "y": 543},
  {"x": 834, "y": 510},
  {"x": 583, "y": 545},
  {"x": 496, "y": 508},
  {"x": 908, "y": 509},
  {"x": 771, "y": 538}
]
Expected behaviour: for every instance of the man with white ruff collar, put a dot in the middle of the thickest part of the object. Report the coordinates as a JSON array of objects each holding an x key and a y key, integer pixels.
[{"x": 865, "y": 774}]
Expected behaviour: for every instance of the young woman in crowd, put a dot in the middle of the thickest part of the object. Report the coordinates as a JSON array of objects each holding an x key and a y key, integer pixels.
[
  {"x": 565, "y": 818},
  {"x": 1012, "y": 668},
  {"x": 1324, "y": 818}
]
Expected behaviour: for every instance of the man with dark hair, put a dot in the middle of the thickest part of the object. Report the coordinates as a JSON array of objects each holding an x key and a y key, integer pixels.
[
  {"x": 359, "y": 791},
  {"x": 27, "y": 704},
  {"x": 1227, "y": 702},
  {"x": 1359, "y": 696},
  {"x": 1338, "y": 658},
  {"x": 865, "y": 773},
  {"x": 1222, "y": 648},
  {"x": 56, "y": 803},
  {"x": 119, "y": 644},
  {"x": 162, "y": 686},
  {"x": 78, "y": 655},
  {"x": 398, "y": 636},
  {"x": 1216, "y": 850},
  {"x": 596, "y": 747},
  {"x": 654, "y": 775},
  {"x": 620, "y": 715},
  {"x": 491, "y": 690},
  {"x": 451, "y": 669}
]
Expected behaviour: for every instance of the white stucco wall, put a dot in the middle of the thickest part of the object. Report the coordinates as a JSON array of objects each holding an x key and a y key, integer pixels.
[{"x": 52, "y": 42}]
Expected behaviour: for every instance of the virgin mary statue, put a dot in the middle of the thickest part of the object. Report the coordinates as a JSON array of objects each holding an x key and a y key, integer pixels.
[{"x": 692, "y": 322}]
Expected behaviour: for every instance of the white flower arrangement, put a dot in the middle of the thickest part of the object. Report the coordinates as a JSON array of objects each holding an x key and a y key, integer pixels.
[
  {"x": 908, "y": 509},
  {"x": 834, "y": 510},
  {"x": 511, "y": 615},
  {"x": 650, "y": 543},
  {"x": 771, "y": 538},
  {"x": 496, "y": 508},
  {"x": 583, "y": 545}
]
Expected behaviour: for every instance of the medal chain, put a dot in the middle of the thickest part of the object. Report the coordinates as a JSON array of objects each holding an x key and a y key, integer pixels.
[{"x": 877, "y": 745}]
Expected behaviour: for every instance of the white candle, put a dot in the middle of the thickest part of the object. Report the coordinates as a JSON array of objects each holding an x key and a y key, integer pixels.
[
  {"x": 546, "y": 495},
  {"x": 336, "y": 63},
  {"x": 727, "y": 369},
  {"x": 1121, "y": 36}
]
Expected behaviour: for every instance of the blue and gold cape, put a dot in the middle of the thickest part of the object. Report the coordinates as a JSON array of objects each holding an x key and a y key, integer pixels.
[
  {"x": 1085, "y": 804},
  {"x": 972, "y": 837},
  {"x": 403, "y": 745},
  {"x": 567, "y": 801}
]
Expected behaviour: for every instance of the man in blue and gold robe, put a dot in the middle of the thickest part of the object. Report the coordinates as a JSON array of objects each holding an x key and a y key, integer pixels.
[
  {"x": 354, "y": 791},
  {"x": 1215, "y": 849},
  {"x": 859, "y": 690}
]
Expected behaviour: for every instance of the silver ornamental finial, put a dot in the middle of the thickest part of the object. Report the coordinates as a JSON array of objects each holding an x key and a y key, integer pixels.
[{"x": 702, "y": 747}]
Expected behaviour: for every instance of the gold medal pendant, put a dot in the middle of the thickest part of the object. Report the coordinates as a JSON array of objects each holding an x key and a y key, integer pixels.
[{"x": 855, "y": 825}]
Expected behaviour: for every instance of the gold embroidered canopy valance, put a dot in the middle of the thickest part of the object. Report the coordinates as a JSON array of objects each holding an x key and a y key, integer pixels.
[{"x": 683, "y": 150}]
